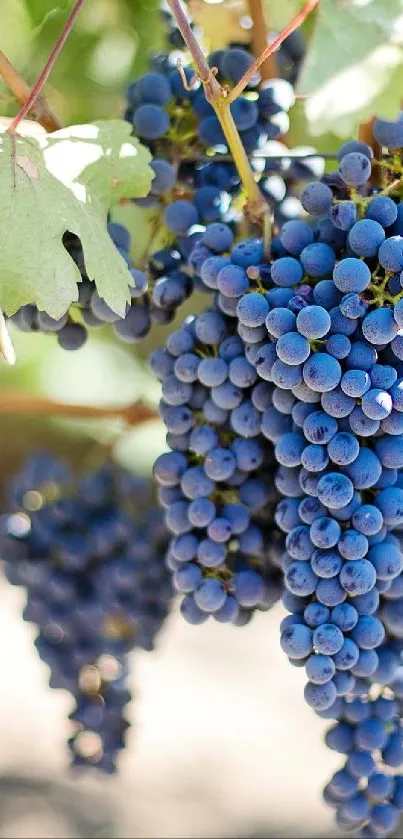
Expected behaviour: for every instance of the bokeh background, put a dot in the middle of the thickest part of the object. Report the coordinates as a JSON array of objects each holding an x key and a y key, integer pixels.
[{"x": 222, "y": 743}]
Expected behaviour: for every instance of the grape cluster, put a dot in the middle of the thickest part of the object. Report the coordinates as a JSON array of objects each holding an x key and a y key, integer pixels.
[
  {"x": 324, "y": 326},
  {"x": 216, "y": 483},
  {"x": 164, "y": 112},
  {"x": 367, "y": 797},
  {"x": 90, "y": 555}
]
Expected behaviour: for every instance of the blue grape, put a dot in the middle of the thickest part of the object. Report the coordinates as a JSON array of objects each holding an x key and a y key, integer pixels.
[
  {"x": 389, "y": 133},
  {"x": 351, "y": 275},
  {"x": 355, "y": 168},
  {"x": 322, "y": 372}
]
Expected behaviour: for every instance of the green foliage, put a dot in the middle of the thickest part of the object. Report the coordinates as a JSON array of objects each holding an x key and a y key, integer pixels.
[
  {"x": 103, "y": 157},
  {"x": 279, "y": 14},
  {"x": 109, "y": 44},
  {"x": 39, "y": 10},
  {"x": 354, "y": 65},
  {"x": 36, "y": 209}
]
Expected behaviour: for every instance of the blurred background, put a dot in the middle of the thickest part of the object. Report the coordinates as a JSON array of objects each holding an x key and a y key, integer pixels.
[{"x": 221, "y": 743}]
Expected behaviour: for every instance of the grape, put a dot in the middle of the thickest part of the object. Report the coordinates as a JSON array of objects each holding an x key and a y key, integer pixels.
[
  {"x": 365, "y": 237},
  {"x": 249, "y": 588},
  {"x": 295, "y": 236},
  {"x": 377, "y": 404},
  {"x": 368, "y": 632},
  {"x": 210, "y": 596},
  {"x": 247, "y": 253},
  {"x": 351, "y": 275},
  {"x": 320, "y": 697},
  {"x": 320, "y": 669},
  {"x": 389, "y": 133},
  {"x": 313, "y": 322},
  {"x": 153, "y": 87},
  {"x": 358, "y": 577},
  {"x": 212, "y": 372},
  {"x": 317, "y": 259},
  {"x": 231, "y": 280},
  {"x": 337, "y": 404},
  {"x": 391, "y": 253},
  {"x": 219, "y": 237},
  {"x": 343, "y": 448},
  {"x": 316, "y": 198},
  {"x": 352, "y": 544},
  {"x": 325, "y": 532},
  {"x": 382, "y": 209},
  {"x": 355, "y": 383},
  {"x": 280, "y": 320},
  {"x": 252, "y": 310},
  {"x": 296, "y": 641},
  {"x": 328, "y": 639},
  {"x": 72, "y": 336},
  {"x": 355, "y": 168},
  {"x": 164, "y": 178},
  {"x": 150, "y": 121},
  {"x": 293, "y": 348},
  {"x": 179, "y": 216},
  {"x": 326, "y": 564},
  {"x": 322, "y": 372},
  {"x": 344, "y": 215},
  {"x": 286, "y": 272},
  {"x": 335, "y": 490}
]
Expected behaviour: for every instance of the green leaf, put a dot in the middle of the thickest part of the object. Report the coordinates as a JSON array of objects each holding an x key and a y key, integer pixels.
[
  {"x": 36, "y": 210},
  {"x": 39, "y": 10},
  {"x": 353, "y": 67},
  {"x": 278, "y": 13},
  {"x": 103, "y": 157}
]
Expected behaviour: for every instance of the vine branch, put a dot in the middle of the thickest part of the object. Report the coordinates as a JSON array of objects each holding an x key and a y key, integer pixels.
[
  {"x": 218, "y": 98},
  {"x": 260, "y": 40},
  {"x": 297, "y": 21},
  {"x": 44, "y": 75},
  {"x": 21, "y": 404},
  {"x": 40, "y": 111}
]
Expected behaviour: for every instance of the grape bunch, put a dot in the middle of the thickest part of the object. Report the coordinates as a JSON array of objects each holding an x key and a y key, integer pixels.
[
  {"x": 324, "y": 330},
  {"x": 366, "y": 795},
  {"x": 215, "y": 484},
  {"x": 90, "y": 555}
]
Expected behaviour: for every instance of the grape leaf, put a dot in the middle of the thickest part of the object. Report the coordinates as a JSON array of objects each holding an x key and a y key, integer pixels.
[
  {"x": 35, "y": 211},
  {"x": 103, "y": 157},
  {"x": 39, "y": 10},
  {"x": 278, "y": 14},
  {"x": 353, "y": 68}
]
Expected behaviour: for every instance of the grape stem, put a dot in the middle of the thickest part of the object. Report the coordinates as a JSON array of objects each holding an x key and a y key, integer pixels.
[
  {"x": 297, "y": 21},
  {"x": 26, "y": 404},
  {"x": 44, "y": 75},
  {"x": 260, "y": 39},
  {"x": 219, "y": 99},
  {"x": 40, "y": 110}
]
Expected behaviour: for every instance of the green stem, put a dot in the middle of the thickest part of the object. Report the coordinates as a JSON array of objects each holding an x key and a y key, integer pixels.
[
  {"x": 257, "y": 206},
  {"x": 219, "y": 99}
]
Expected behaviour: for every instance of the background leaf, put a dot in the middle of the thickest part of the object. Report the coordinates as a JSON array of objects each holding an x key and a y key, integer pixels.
[
  {"x": 39, "y": 10},
  {"x": 278, "y": 13},
  {"x": 353, "y": 69},
  {"x": 35, "y": 211}
]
